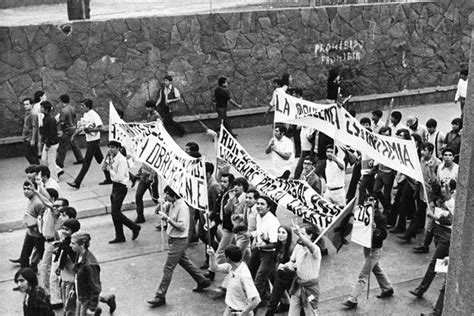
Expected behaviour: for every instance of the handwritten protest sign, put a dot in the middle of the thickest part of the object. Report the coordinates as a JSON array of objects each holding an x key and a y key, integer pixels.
[
  {"x": 336, "y": 122},
  {"x": 362, "y": 225},
  {"x": 150, "y": 143}
]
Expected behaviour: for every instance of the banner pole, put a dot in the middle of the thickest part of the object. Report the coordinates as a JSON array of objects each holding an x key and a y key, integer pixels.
[{"x": 370, "y": 255}]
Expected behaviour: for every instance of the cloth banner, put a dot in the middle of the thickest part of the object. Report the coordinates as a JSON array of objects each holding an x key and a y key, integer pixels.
[
  {"x": 362, "y": 225},
  {"x": 150, "y": 143},
  {"x": 296, "y": 196},
  {"x": 336, "y": 122}
]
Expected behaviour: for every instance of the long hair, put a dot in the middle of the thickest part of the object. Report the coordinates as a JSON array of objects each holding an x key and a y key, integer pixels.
[
  {"x": 29, "y": 275},
  {"x": 283, "y": 248}
]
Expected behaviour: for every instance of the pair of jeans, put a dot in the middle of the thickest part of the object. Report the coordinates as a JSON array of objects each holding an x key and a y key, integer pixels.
[
  {"x": 48, "y": 278},
  {"x": 226, "y": 239},
  {"x": 66, "y": 288},
  {"x": 223, "y": 118},
  {"x": 442, "y": 251},
  {"x": 119, "y": 191},
  {"x": 384, "y": 180},
  {"x": 296, "y": 305},
  {"x": 82, "y": 308},
  {"x": 372, "y": 257},
  {"x": 30, "y": 243},
  {"x": 49, "y": 158},
  {"x": 177, "y": 255},
  {"x": 281, "y": 283},
  {"x": 92, "y": 151},
  {"x": 261, "y": 266},
  {"x": 64, "y": 142},
  {"x": 31, "y": 153}
]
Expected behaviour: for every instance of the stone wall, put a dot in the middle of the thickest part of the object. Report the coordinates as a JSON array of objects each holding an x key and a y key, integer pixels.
[{"x": 378, "y": 48}]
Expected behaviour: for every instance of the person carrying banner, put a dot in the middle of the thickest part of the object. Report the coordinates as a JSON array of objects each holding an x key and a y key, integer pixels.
[
  {"x": 281, "y": 149},
  {"x": 335, "y": 177},
  {"x": 168, "y": 96},
  {"x": 372, "y": 256}
]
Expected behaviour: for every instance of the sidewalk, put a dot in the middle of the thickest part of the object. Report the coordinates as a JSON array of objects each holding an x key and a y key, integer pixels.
[{"x": 93, "y": 199}]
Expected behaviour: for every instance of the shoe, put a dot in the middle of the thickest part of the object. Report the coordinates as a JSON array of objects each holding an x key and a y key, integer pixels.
[
  {"x": 136, "y": 232},
  {"x": 57, "y": 306},
  {"x": 140, "y": 220},
  {"x": 210, "y": 275},
  {"x": 105, "y": 182},
  {"x": 385, "y": 294},
  {"x": 397, "y": 230},
  {"x": 404, "y": 238},
  {"x": 349, "y": 304},
  {"x": 117, "y": 241},
  {"x": 157, "y": 302},
  {"x": 416, "y": 292},
  {"x": 421, "y": 249},
  {"x": 60, "y": 173},
  {"x": 74, "y": 185},
  {"x": 204, "y": 266},
  {"x": 201, "y": 286},
  {"x": 15, "y": 260},
  {"x": 110, "y": 300},
  {"x": 78, "y": 163},
  {"x": 16, "y": 288}
]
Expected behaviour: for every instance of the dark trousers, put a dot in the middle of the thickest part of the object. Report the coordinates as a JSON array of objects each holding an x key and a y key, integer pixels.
[
  {"x": 442, "y": 250},
  {"x": 428, "y": 237},
  {"x": 365, "y": 187},
  {"x": 281, "y": 283},
  {"x": 92, "y": 151},
  {"x": 119, "y": 191},
  {"x": 64, "y": 143},
  {"x": 204, "y": 235},
  {"x": 438, "y": 309},
  {"x": 351, "y": 190},
  {"x": 172, "y": 127},
  {"x": 384, "y": 180},
  {"x": 29, "y": 244},
  {"x": 222, "y": 117},
  {"x": 261, "y": 265},
  {"x": 31, "y": 153},
  {"x": 142, "y": 187},
  {"x": 418, "y": 221},
  {"x": 406, "y": 205}
]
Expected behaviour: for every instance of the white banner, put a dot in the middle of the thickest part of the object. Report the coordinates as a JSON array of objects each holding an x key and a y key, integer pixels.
[
  {"x": 362, "y": 225},
  {"x": 336, "y": 122},
  {"x": 296, "y": 196},
  {"x": 151, "y": 144}
]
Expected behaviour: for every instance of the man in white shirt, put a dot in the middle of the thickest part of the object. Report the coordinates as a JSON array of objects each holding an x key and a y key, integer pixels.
[
  {"x": 116, "y": 164},
  {"x": 461, "y": 92},
  {"x": 169, "y": 96},
  {"x": 335, "y": 178},
  {"x": 91, "y": 124},
  {"x": 377, "y": 121},
  {"x": 396, "y": 122},
  {"x": 448, "y": 169},
  {"x": 281, "y": 149}
]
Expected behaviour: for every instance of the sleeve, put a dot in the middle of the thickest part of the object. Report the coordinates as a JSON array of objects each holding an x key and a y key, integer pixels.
[
  {"x": 177, "y": 94},
  {"x": 40, "y": 304},
  {"x": 249, "y": 286},
  {"x": 97, "y": 119},
  {"x": 94, "y": 285},
  {"x": 273, "y": 232},
  {"x": 458, "y": 91}
]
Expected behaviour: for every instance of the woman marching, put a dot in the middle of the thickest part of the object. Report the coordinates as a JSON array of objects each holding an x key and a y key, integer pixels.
[{"x": 36, "y": 301}]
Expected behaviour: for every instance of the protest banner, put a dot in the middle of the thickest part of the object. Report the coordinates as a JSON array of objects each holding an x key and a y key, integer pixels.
[
  {"x": 296, "y": 196},
  {"x": 362, "y": 225},
  {"x": 336, "y": 122},
  {"x": 150, "y": 143}
]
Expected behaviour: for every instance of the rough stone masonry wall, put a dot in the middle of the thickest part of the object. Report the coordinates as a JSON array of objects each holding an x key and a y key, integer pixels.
[{"x": 380, "y": 48}]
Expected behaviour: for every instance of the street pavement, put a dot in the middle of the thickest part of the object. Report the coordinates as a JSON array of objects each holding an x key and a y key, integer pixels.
[{"x": 133, "y": 270}]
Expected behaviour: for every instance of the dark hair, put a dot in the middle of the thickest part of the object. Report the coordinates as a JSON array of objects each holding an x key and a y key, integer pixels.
[
  {"x": 150, "y": 104},
  {"x": 243, "y": 182},
  {"x": 285, "y": 79},
  {"x": 431, "y": 123},
  {"x": 446, "y": 149},
  {"x": 271, "y": 205},
  {"x": 329, "y": 146},
  {"x": 365, "y": 120},
  {"x": 311, "y": 230},
  {"x": 120, "y": 113},
  {"x": 38, "y": 95},
  {"x": 417, "y": 139},
  {"x": 464, "y": 72},
  {"x": 282, "y": 129},
  {"x": 45, "y": 172},
  {"x": 29, "y": 275},
  {"x": 230, "y": 176},
  {"x": 64, "y": 201},
  {"x": 298, "y": 92},
  {"x": 195, "y": 154},
  {"x": 192, "y": 146},
  {"x": 457, "y": 121},
  {"x": 52, "y": 193},
  {"x": 255, "y": 193},
  {"x": 69, "y": 211},
  {"x": 88, "y": 103},
  {"x": 452, "y": 184},
  {"x": 383, "y": 129},
  {"x": 168, "y": 77},
  {"x": 28, "y": 99},
  {"x": 277, "y": 81},
  {"x": 31, "y": 169},
  {"x": 209, "y": 167},
  {"x": 283, "y": 250},
  {"x": 47, "y": 106},
  {"x": 221, "y": 81},
  {"x": 377, "y": 113},
  {"x": 396, "y": 115},
  {"x": 405, "y": 132},
  {"x": 114, "y": 143},
  {"x": 73, "y": 224},
  {"x": 168, "y": 190},
  {"x": 233, "y": 253},
  {"x": 427, "y": 146},
  {"x": 64, "y": 98}
]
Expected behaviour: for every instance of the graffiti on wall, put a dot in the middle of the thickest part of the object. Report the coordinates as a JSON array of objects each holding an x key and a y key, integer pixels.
[{"x": 341, "y": 51}]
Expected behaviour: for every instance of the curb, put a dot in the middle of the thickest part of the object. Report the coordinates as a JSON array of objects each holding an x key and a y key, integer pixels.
[{"x": 98, "y": 211}]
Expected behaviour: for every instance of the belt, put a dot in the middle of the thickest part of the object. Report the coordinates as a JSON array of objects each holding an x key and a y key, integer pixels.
[{"x": 335, "y": 189}]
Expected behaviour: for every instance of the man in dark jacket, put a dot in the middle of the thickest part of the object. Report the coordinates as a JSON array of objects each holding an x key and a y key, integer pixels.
[
  {"x": 49, "y": 134},
  {"x": 167, "y": 96}
]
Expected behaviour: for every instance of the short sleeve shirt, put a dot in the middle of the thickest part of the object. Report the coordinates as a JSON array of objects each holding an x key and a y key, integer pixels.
[
  {"x": 179, "y": 212},
  {"x": 268, "y": 226},
  {"x": 92, "y": 119},
  {"x": 240, "y": 286},
  {"x": 222, "y": 97},
  {"x": 279, "y": 164},
  {"x": 307, "y": 264}
]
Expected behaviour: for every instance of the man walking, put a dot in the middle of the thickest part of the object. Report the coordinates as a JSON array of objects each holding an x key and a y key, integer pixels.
[
  {"x": 67, "y": 120},
  {"x": 178, "y": 228},
  {"x": 116, "y": 164},
  {"x": 168, "y": 96},
  {"x": 221, "y": 98},
  {"x": 30, "y": 132},
  {"x": 91, "y": 124},
  {"x": 50, "y": 138}
]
